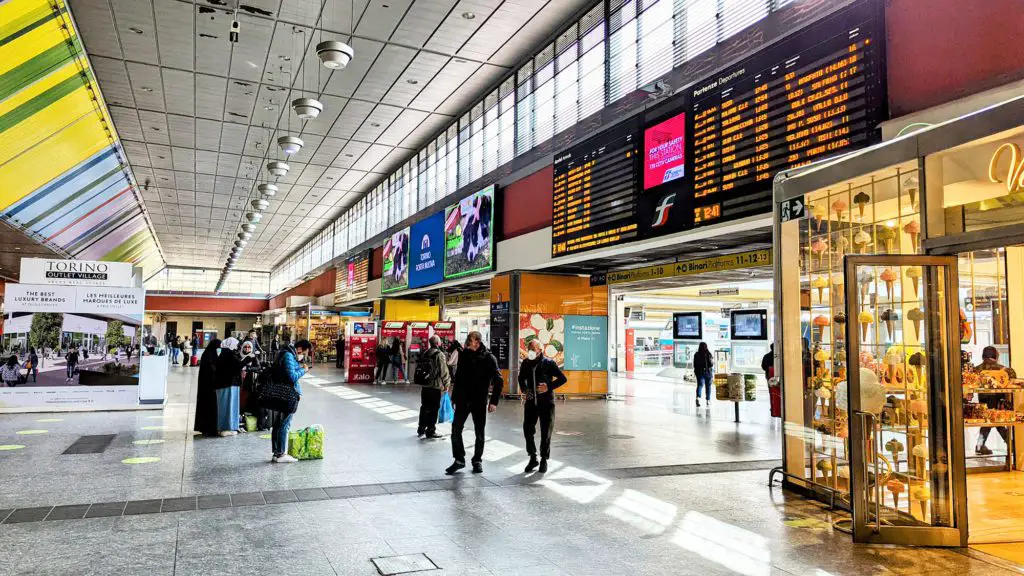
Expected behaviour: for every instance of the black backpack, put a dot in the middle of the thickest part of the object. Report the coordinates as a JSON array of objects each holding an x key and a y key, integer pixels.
[{"x": 423, "y": 375}]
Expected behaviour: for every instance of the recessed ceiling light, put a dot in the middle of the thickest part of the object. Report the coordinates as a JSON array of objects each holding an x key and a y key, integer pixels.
[
  {"x": 145, "y": 88},
  {"x": 460, "y": 60},
  {"x": 155, "y": 128},
  {"x": 374, "y": 125},
  {"x": 413, "y": 82},
  {"x": 285, "y": 58},
  {"x": 267, "y": 108},
  {"x": 136, "y": 29},
  {"x": 468, "y": 15}
]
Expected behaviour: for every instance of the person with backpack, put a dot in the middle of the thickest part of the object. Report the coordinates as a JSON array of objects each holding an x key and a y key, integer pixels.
[
  {"x": 287, "y": 369},
  {"x": 539, "y": 376},
  {"x": 703, "y": 367},
  {"x": 475, "y": 392},
  {"x": 432, "y": 375},
  {"x": 768, "y": 363}
]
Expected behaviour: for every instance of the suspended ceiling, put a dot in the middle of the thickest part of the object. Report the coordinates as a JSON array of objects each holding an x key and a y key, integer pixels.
[{"x": 193, "y": 109}]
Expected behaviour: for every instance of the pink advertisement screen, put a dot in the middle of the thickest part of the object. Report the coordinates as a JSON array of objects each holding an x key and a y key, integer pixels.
[{"x": 665, "y": 151}]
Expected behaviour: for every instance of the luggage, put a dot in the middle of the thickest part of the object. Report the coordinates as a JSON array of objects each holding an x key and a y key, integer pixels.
[
  {"x": 307, "y": 443},
  {"x": 195, "y": 361}
]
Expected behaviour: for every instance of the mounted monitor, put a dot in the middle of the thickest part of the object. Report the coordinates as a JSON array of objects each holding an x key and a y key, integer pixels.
[
  {"x": 469, "y": 235},
  {"x": 748, "y": 324},
  {"x": 687, "y": 326}
]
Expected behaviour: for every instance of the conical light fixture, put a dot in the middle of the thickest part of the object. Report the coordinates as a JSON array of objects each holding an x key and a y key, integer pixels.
[
  {"x": 248, "y": 227},
  {"x": 290, "y": 144},
  {"x": 334, "y": 54},
  {"x": 253, "y": 217},
  {"x": 268, "y": 190},
  {"x": 244, "y": 235},
  {"x": 278, "y": 168},
  {"x": 307, "y": 108},
  {"x": 260, "y": 204}
]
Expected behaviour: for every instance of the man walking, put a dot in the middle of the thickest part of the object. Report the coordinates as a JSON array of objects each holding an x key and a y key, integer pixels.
[
  {"x": 435, "y": 366},
  {"x": 476, "y": 392},
  {"x": 539, "y": 376}
]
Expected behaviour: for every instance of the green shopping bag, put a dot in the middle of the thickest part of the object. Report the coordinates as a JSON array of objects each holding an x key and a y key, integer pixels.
[{"x": 307, "y": 443}]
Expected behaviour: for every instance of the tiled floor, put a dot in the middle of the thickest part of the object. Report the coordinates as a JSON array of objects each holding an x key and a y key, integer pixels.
[{"x": 216, "y": 506}]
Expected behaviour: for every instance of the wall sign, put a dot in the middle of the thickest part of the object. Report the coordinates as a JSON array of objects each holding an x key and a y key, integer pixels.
[
  {"x": 1014, "y": 179},
  {"x": 76, "y": 272},
  {"x": 351, "y": 279},
  {"x": 500, "y": 333},
  {"x": 467, "y": 298},
  {"x": 426, "y": 262},
  {"x": 736, "y": 261},
  {"x": 469, "y": 235},
  {"x": 396, "y": 262},
  {"x": 586, "y": 342}
]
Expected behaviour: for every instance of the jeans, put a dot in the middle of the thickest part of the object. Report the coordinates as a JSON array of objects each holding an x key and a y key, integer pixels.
[
  {"x": 705, "y": 380},
  {"x": 463, "y": 410},
  {"x": 545, "y": 412},
  {"x": 35, "y": 374},
  {"x": 279, "y": 435},
  {"x": 430, "y": 404},
  {"x": 71, "y": 369},
  {"x": 174, "y": 355}
]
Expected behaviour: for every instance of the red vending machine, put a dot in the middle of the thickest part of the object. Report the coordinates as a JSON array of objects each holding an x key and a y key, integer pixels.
[
  {"x": 360, "y": 357},
  {"x": 445, "y": 330}
]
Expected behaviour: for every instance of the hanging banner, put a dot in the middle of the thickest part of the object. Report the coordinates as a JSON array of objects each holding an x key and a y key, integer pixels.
[
  {"x": 752, "y": 259},
  {"x": 76, "y": 272}
]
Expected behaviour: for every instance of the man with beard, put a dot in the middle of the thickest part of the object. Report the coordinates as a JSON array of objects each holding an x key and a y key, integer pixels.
[{"x": 476, "y": 391}]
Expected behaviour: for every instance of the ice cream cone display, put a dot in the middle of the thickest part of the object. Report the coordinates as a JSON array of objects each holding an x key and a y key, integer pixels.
[
  {"x": 914, "y": 273},
  {"x": 839, "y": 206},
  {"x": 919, "y": 408},
  {"x": 825, "y": 467},
  {"x": 894, "y": 447},
  {"x": 818, "y": 212},
  {"x": 843, "y": 472},
  {"x": 821, "y": 283},
  {"x": 913, "y": 229},
  {"x": 912, "y": 186},
  {"x": 895, "y": 487},
  {"x": 840, "y": 355},
  {"x": 890, "y": 317},
  {"x": 922, "y": 494},
  {"x": 861, "y": 200},
  {"x": 865, "y": 319},
  {"x": 920, "y": 454},
  {"x": 822, "y": 323},
  {"x": 840, "y": 320},
  {"x": 885, "y": 235},
  {"x": 842, "y": 244},
  {"x": 889, "y": 277},
  {"x": 916, "y": 362},
  {"x": 862, "y": 241},
  {"x": 837, "y": 288},
  {"x": 864, "y": 280},
  {"x": 819, "y": 247},
  {"x": 823, "y": 395},
  {"x": 893, "y": 358},
  {"x": 916, "y": 316}
]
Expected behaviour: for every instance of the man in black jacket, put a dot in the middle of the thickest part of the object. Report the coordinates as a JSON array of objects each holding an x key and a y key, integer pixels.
[
  {"x": 438, "y": 381},
  {"x": 539, "y": 376},
  {"x": 476, "y": 392}
]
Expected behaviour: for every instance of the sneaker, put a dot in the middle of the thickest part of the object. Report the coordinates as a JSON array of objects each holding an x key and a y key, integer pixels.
[
  {"x": 286, "y": 459},
  {"x": 455, "y": 467},
  {"x": 983, "y": 450},
  {"x": 698, "y": 402},
  {"x": 273, "y": 459},
  {"x": 531, "y": 466},
  {"x": 478, "y": 468},
  {"x": 434, "y": 435},
  {"x": 419, "y": 433},
  {"x": 543, "y": 466}
]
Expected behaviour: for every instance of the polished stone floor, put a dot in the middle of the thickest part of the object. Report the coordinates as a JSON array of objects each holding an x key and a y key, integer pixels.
[{"x": 636, "y": 487}]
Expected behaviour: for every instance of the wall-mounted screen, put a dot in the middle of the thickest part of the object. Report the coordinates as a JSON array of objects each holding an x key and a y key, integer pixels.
[
  {"x": 665, "y": 151},
  {"x": 396, "y": 262},
  {"x": 748, "y": 325},
  {"x": 686, "y": 326},
  {"x": 351, "y": 279},
  {"x": 469, "y": 235},
  {"x": 426, "y": 262}
]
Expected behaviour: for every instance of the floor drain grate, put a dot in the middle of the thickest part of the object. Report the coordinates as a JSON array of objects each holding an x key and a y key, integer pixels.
[
  {"x": 404, "y": 564},
  {"x": 96, "y": 444}
]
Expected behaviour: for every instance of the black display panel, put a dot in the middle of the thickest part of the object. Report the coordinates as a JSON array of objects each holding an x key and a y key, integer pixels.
[
  {"x": 817, "y": 94},
  {"x": 687, "y": 326},
  {"x": 594, "y": 192},
  {"x": 748, "y": 325}
]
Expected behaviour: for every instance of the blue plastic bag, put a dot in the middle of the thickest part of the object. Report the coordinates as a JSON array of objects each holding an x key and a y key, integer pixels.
[{"x": 446, "y": 413}]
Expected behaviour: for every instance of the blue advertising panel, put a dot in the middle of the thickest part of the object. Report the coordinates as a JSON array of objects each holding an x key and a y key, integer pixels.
[
  {"x": 586, "y": 342},
  {"x": 426, "y": 262}
]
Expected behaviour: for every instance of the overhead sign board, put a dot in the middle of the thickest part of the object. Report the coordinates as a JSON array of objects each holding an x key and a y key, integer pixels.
[
  {"x": 754, "y": 258},
  {"x": 76, "y": 272}
]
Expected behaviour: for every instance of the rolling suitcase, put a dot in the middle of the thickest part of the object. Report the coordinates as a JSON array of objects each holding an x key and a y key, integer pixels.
[{"x": 195, "y": 361}]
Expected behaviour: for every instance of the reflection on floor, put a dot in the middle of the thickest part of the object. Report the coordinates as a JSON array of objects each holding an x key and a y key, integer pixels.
[
  {"x": 995, "y": 503},
  {"x": 1011, "y": 552}
]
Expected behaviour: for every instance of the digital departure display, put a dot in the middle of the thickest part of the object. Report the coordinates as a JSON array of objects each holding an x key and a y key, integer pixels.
[
  {"x": 594, "y": 193},
  {"x": 815, "y": 95}
]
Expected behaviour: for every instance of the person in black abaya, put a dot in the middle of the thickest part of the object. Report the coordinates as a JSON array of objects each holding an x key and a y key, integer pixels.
[{"x": 206, "y": 395}]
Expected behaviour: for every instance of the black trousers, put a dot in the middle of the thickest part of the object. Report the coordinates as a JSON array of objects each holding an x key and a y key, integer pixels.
[
  {"x": 382, "y": 370},
  {"x": 339, "y": 360},
  {"x": 545, "y": 412},
  {"x": 430, "y": 404},
  {"x": 463, "y": 411}
]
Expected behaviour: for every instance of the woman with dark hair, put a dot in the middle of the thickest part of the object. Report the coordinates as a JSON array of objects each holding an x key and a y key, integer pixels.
[
  {"x": 228, "y": 382},
  {"x": 10, "y": 373},
  {"x": 703, "y": 366},
  {"x": 206, "y": 392}
]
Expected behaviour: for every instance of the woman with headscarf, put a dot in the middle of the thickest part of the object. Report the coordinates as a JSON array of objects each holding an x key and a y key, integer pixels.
[
  {"x": 250, "y": 369},
  {"x": 229, "y": 378},
  {"x": 206, "y": 394}
]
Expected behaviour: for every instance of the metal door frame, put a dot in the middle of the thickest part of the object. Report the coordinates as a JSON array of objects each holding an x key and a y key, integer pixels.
[{"x": 860, "y": 422}]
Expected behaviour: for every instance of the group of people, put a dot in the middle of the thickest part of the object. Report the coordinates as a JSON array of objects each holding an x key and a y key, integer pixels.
[
  {"x": 704, "y": 369},
  {"x": 223, "y": 369},
  {"x": 185, "y": 348},
  {"x": 10, "y": 371},
  {"x": 392, "y": 361},
  {"x": 471, "y": 376}
]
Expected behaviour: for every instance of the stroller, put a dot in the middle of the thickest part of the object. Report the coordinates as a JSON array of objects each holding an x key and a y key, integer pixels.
[{"x": 255, "y": 376}]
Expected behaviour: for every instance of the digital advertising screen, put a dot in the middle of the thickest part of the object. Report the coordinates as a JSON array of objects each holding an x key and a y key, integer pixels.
[
  {"x": 748, "y": 325},
  {"x": 686, "y": 326},
  {"x": 469, "y": 235},
  {"x": 665, "y": 151},
  {"x": 426, "y": 262},
  {"x": 396, "y": 262},
  {"x": 351, "y": 279}
]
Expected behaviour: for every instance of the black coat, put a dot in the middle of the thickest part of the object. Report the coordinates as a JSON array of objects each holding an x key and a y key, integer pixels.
[
  {"x": 543, "y": 370},
  {"x": 703, "y": 363},
  {"x": 229, "y": 369},
  {"x": 477, "y": 378},
  {"x": 206, "y": 394}
]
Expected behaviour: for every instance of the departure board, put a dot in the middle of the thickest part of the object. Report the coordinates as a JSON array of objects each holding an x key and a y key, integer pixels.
[
  {"x": 815, "y": 95},
  {"x": 594, "y": 192}
]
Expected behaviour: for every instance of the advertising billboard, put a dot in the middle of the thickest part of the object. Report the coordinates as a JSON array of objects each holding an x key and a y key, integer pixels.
[
  {"x": 426, "y": 263},
  {"x": 396, "y": 262},
  {"x": 469, "y": 235},
  {"x": 665, "y": 151}
]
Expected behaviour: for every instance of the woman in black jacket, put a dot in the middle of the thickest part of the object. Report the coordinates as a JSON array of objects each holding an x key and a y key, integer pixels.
[
  {"x": 703, "y": 366},
  {"x": 206, "y": 391}
]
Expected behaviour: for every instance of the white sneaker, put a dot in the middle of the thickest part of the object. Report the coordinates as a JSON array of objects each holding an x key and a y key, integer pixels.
[
  {"x": 286, "y": 459},
  {"x": 273, "y": 459},
  {"x": 225, "y": 433}
]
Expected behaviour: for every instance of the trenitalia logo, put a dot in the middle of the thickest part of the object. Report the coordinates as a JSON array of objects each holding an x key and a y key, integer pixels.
[{"x": 662, "y": 210}]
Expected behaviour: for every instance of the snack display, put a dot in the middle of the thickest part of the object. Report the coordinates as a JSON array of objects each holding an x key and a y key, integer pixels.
[
  {"x": 920, "y": 453},
  {"x": 894, "y": 447},
  {"x": 823, "y": 395},
  {"x": 886, "y": 235},
  {"x": 916, "y": 361},
  {"x": 818, "y": 248},
  {"x": 861, "y": 199},
  {"x": 864, "y": 279},
  {"x": 839, "y": 206},
  {"x": 818, "y": 212},
  {"x": 889, "y": 316},
  {"x": 820, "y": 283},
  {"x": 825, "y": 467},
  {"x": 922, "y": 493},
  {"x": 822, "y": 323},
  {"x": 912, "y": 185},
  {"x": 842, "y": 244}
]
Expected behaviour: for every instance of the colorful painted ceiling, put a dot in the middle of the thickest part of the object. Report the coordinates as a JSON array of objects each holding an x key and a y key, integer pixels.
[{"x": 63, "y": 177}]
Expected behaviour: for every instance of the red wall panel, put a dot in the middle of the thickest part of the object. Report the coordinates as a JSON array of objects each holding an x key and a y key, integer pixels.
[
  {"x": 942, "y": 50},
  {"x": 376, "y": 262},
  {"x": 200, "y": 304},
  {"x": 314, "y": 288},
  {"x": 526, "y": 204}
]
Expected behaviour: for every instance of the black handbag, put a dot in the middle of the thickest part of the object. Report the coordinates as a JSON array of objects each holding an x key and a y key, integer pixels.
[{"x": 277, "y": 393}]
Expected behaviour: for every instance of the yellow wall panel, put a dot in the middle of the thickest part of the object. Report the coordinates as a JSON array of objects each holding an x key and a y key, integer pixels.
[
  {"x": 33, "y": 169},
  {"x": 410, "y": 310},
  {"x": 44, "y": 124}
]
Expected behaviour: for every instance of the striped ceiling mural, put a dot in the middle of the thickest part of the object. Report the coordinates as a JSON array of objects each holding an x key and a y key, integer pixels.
[{"x": 63, "y": 176}]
